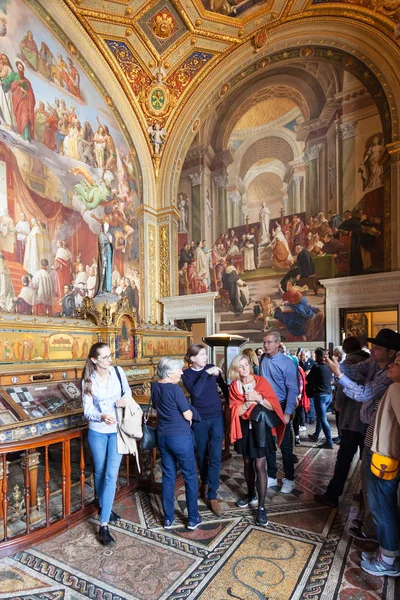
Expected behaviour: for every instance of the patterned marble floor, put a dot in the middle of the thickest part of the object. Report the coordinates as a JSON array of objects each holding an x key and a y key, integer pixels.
[{"x": 304, "y": 553}]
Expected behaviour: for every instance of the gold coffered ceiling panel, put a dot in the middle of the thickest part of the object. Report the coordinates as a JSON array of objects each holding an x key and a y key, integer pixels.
[{"x": 161, "y": 50}]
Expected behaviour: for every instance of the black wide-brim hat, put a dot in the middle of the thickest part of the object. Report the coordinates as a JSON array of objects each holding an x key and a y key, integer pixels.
[{"x": 387, "y": 338}]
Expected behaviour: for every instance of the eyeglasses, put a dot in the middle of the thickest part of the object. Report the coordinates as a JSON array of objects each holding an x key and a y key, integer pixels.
[{"x": 108, "y": 357}]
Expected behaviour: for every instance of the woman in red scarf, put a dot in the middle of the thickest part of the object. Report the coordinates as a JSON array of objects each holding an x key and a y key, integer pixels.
[{"x": 245, "y": 393}]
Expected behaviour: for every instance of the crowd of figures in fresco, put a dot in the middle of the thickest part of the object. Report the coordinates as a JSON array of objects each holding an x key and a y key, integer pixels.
[
  {"x": 54, "y": 124},
  {"x": 67, "y": 180},
  {"x": 295, "y": 252},
  {"x": 54, "y": 277}
]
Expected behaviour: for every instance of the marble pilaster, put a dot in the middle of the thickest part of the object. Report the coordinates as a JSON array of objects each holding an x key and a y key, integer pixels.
[{"x": 347, "y": 133}]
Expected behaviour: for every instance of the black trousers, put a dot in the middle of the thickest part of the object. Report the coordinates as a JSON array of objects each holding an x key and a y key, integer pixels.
[
  {"x": 299, "y": 419},
  {"x": 287, "y": 456},
  {"x": 350, "y": 441}
]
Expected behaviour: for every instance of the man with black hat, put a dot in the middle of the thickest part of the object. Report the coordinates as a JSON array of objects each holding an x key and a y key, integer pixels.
[{"x": 366, "y": 382}]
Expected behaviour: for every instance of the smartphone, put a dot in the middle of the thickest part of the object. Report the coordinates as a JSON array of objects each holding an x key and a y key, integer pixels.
[
  {"x": 330, "y": 350},
  {"x": 248, "y": 387}
]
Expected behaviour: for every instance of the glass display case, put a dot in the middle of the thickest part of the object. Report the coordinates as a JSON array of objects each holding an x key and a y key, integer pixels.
[{"x": 39, "y": 408}]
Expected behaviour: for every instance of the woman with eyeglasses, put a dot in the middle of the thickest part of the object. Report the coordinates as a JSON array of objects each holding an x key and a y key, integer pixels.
[{"x": 104, "y": 389}]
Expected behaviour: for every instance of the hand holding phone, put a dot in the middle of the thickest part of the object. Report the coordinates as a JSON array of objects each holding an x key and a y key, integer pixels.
[
  {"x": 248, "y": 387},
  {"x": 330, "y": 350}
]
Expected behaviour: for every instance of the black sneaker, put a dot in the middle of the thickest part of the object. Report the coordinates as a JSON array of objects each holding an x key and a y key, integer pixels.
[
  {"x": 357, "y": 532},
  {"x": 114, "y": 518},
  {"x": 327, "y": 446},
  {"x": 325, "y": 499},
  {"x": 247, "y": 501},
  {"x": 261, "y": 518},
  {"x": 297, "y": 441}
]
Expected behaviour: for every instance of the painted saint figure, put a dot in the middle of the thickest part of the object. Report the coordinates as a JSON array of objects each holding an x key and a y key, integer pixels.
[
  {"x": 264, "y": 221},
  {"x": 371, "y": 169},
  {"x": 23, "y": 101},
  {"x": 105, "y": 261},
  {"x": 6, "y": 112},
  {"x": 29, "y": 50},
  {"x": 183, "y": 210},
  {"x": 300, "y": 318}
]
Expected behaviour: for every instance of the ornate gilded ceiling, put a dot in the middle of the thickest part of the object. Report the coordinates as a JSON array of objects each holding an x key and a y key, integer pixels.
[{"x": 161, "y": 50}]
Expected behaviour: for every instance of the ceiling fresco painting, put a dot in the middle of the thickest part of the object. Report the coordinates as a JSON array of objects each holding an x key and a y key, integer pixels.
[
  {"x": 69, "y": 174},
  {"x": 161, "y": 51},
  {"x": 254, "y": 172}
]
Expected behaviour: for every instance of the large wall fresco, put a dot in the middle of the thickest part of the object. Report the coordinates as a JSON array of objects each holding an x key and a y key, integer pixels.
[
  {"x": 278, "y": 209},
  {"x": 65, "y": 171}
]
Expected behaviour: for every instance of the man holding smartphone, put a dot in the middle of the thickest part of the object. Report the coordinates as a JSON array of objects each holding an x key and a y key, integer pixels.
[{"x": 280, "y": 371}]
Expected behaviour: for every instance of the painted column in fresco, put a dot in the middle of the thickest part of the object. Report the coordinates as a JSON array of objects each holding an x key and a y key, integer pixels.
[
  {"x": 297, "y": 193},
  {"x": 348, "y": 167},
  {"x": 195, "y": 178},
  {"x": 221, "y": 181},
  {"x": 234, "y": 200},
  {"x": 311, "y": 158}
]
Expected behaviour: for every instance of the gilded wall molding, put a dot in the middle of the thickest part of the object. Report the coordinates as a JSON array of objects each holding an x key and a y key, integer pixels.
[
  {"x": 152, "y": 271},
  {"x": 164, "y": 259}
]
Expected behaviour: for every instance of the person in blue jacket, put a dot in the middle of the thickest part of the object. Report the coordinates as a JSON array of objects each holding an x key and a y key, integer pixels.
[{"x": 201, "y": 380}]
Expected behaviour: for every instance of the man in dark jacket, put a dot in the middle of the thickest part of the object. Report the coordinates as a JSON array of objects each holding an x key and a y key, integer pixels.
[
  {"x": 184, "y": 255},
  {"x": 130, "y": 292},
  {"x": 304, "y": 266},
  {"x": 230, "y": 280},
  {"x": 352, "y": 430}
]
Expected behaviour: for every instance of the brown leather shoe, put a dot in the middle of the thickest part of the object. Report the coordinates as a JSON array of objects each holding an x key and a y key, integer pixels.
[
  {"x": 215, "y": 507},
  {"x": 203, "y": 489}
]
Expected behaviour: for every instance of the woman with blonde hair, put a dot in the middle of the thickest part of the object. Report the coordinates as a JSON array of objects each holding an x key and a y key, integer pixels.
[
  {"x": 256, "y": 422},
  {"x": 253, "y": 359},
  {"x": 104, "y": 389}
]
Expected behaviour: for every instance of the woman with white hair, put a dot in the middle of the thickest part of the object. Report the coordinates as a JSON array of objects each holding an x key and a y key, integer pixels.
[{"x": 175, "y": 440}]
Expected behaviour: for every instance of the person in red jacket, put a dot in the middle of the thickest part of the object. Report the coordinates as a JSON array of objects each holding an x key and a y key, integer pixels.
[{"x": 246, "y": 392}]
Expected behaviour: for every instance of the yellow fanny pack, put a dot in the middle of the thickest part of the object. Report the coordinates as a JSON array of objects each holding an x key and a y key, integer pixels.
[{"x": 384, "y": 467}]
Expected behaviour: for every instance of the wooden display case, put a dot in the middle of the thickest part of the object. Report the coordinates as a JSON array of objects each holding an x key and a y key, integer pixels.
[{"x": 46, "y": 473}]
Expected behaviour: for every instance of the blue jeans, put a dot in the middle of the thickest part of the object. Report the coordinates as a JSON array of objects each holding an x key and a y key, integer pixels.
[
  {"x": 178, "y": 449},
  {"x": 382, "y": 500},
  {"x": 209, "y": 435},
  {"x": 106, "y": 466},
  {"x": 321, "y": 403},
  {"x": 310, "y": 416}
]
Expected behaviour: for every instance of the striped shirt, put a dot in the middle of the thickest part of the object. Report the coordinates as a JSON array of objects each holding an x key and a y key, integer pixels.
[
  {"x": 369, "y": 436},
  {"x": 364, "y": 381}
]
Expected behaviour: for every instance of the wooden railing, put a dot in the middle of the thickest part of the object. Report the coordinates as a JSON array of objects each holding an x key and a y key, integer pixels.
[{"x": 28, "y": 517}]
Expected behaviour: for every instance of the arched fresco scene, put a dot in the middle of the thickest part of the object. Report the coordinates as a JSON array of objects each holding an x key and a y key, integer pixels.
[
  {"x": 283, "y": 186},
  {"x": 66, "y": 172}
]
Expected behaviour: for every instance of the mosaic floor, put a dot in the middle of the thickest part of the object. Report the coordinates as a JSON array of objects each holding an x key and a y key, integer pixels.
[{"x": 304, "y": 553}]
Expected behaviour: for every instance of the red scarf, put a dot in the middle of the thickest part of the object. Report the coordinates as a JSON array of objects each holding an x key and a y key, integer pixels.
[
  {"x": 304, "y": 400},
  {"x": 236, "y": 399}
]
